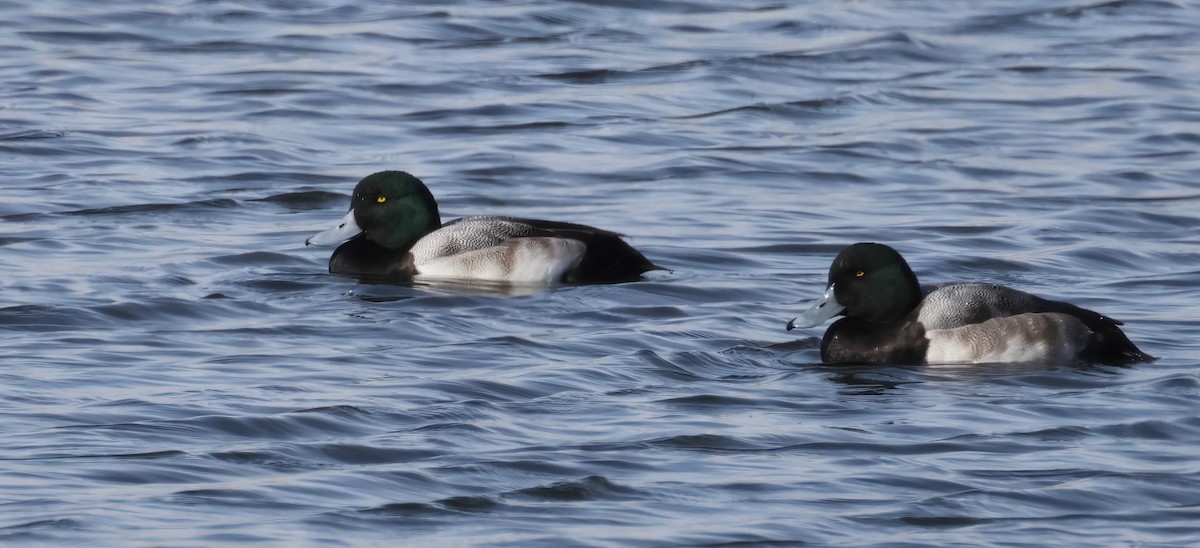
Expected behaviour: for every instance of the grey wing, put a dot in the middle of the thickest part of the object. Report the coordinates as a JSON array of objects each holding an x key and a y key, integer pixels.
[
  {"x": 957, "y": 305},
  {"x": 468, "y": 234}
]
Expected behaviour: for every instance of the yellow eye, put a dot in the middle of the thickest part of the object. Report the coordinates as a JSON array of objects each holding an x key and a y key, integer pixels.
[
  {"x": 859, "y": 274},
  {"x": 381, "y": 199}
]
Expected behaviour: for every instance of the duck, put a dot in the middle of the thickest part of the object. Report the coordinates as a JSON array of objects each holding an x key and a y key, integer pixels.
[
  {"x": 888, "y": 318},
  {"x": 393, "y": 229}
]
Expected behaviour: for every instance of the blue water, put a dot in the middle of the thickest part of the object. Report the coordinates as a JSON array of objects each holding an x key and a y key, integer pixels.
[{"x": 176, "y": 368}]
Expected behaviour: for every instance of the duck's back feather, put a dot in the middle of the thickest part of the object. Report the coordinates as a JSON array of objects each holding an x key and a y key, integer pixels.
[
  {"x": 957, "y": 305},
  {"x": 492, "y": 247},
  {"x": 969, "y": 304},
  {"x": 468, "y": 234}
]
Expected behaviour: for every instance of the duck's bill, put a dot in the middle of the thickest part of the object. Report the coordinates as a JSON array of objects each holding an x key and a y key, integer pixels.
[
  {"x": 346, "y": 228},
  {"x": 826, "y": 307}
]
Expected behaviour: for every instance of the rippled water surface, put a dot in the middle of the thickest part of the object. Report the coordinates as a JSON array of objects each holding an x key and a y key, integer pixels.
[{"x": 178, "y": 369}]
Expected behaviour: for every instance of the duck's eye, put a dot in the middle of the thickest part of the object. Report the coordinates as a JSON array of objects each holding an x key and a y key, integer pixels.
[
  {"x": 859, "y": 274},
  {"x": 381, "y": 199}
]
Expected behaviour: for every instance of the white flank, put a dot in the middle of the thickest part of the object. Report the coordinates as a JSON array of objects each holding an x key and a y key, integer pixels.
[
  {"x": 520, "y": 260},
  {"x": 1050, "y": 337}
]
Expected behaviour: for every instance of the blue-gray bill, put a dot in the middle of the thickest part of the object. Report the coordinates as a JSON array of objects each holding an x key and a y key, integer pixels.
[
  {"x": 346, "y": 228},
  {"x": 826, "y": 307}
]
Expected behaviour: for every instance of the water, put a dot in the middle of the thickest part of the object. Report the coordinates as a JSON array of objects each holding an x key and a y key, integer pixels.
[{"x": 179, "y": 370}]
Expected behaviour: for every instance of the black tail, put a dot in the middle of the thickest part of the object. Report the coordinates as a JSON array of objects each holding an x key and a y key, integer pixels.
[
  {"x": 610, "y": 259},
  {"x": 1110, "y": 346}
]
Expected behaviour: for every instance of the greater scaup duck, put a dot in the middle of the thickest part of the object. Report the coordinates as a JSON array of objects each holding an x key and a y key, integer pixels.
[
  {"x": 393, "y": 228},
  {"x": 888, "y": 319}
]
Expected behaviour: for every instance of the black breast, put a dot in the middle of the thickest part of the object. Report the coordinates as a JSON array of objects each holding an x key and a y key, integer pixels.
[
  {"x": 853, "y": 340},
  {"x": 361, "y": 256}
]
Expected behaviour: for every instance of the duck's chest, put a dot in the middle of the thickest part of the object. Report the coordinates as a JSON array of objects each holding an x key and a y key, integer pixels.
[
  {"x": 361, "y": 256},
  {"x": 852, "y": 340}
]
